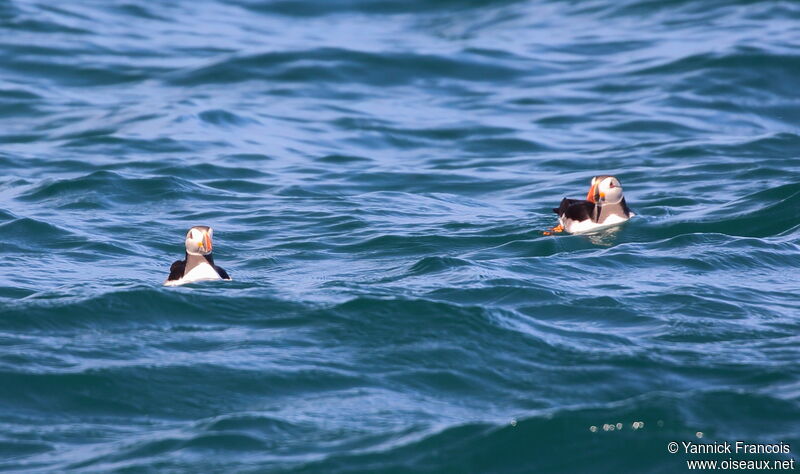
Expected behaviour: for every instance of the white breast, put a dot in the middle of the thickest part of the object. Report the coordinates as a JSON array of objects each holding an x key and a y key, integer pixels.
[
  {"x": 201, "y": 272},
  {"x": 578, "y": 227}
]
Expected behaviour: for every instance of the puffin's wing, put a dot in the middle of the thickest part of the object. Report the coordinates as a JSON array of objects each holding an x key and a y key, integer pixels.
[
  {"x": 222, "y": 273},
  {"x": 626, "y": 209},
  {"x": 575, "y": 209},
  {"x": 565, "y": 203},
  {"x": 176, "y": 270}
]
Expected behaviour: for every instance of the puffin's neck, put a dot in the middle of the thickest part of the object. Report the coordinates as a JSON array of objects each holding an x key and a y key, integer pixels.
[
  {"x": 617, "y": 208},
  {"x": 195, "y": 260}
]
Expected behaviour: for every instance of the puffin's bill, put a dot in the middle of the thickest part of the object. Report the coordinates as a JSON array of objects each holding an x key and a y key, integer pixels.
[{"x": 590, "y": 196}]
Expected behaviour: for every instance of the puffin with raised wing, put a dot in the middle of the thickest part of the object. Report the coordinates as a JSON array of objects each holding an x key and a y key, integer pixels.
[
  {"x": 199, "y": 263},
  {"x": 604, "y": 206}
]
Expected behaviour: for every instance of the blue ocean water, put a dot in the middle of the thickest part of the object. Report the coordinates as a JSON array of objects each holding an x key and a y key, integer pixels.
[{"x": 378, "y": 174}]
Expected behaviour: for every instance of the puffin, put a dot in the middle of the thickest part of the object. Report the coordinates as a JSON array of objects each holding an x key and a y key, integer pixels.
[
  {"x": 198, "y": 264},
  {"x": 604, "y": 206}
]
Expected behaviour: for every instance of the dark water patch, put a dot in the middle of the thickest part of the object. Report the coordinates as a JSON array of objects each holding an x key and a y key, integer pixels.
[
  {"x": 351, "y": 66},
  {"x": 560, "y": 119},
  {"x": 342, "y": 159},
  {"x": 139, "y": 11},
  {"x": 156, "y": 306},
  {"x": 639, "y": 8},
  {"x": 259, "y": 424},
  {"x": 450, "y": 133},
  {"x": 210, "y": 171},
  {"x": 145, "y": 389},
  {"x": 68, "y": 73},
  {"x": 416, "y": 183},
  {"x": 569, "y": 308},
  {"x": 385, "y": 7},
  {"x": 777, "y": 145},
  {"x": 17, "y": 138},
  {"x": 11, "y": 292},
  {"x": 509, "y": 146},
  {"x": 106, "y": 187},
  {"x": 17, "y": 449},
  {"x": 601, "y": 48},
  {"x": 338, "y": 225},
  {"x": 755, "y": 69},
  {"x": 225, "y": 442},
  {"x": 6, "y": 216},
  {"x": 436, "y": 264},
  {"x": 18, "y": 21},
  {"x": 249, "y": 157},
  {"x": 116, "y": 144},
  {"x": 19, "y": 102},
  {"x": 385, "y": 245},
  {"x": 496, "y": 292},
  {"x": 696, "y": 313},
  {"x": 33, "y": 233},
  {"x": 143, "y": 450},
  {"x": 651, "y": 127},
  {"x": 531, "y": 243},
  {"x": 698, "y": 252},
  {"x": 224, "y": 118},
  {"x": 89, "y": 133},
  {"x": 309, "y": 192},
  {"x": 239, "y": 186},
  {"x": 435, "y": 315},
  {"x": 56, "y": 165},
  {"x": 763, "y": 214},
  {"x": 410, "y": 326},
  {"x": 568, "y": 443}
]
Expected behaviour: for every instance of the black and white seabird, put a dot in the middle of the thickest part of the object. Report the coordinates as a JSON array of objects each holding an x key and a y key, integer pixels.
[
  {"x": 198, "y": 264},
  {"x": 604, "y": 206}
]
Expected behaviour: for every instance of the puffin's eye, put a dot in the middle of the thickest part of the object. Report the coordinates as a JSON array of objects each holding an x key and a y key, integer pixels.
[{"x": 611, "y": 185}]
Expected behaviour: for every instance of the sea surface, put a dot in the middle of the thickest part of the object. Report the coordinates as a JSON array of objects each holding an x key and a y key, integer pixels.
[{"x": 378, "y": 174}]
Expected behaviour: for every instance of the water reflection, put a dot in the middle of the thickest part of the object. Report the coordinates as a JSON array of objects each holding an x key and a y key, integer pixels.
[{"x": 604, "y": 237}]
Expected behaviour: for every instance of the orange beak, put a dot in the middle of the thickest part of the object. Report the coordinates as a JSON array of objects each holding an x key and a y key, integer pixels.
[
  {"x": 207, "y": 242},
  {"x": 590, "y": 196}
]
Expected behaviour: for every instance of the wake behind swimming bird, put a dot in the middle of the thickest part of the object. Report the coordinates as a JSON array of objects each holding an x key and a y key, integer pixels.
[
  {"x": 199, "y": 263},
  {"x": 604, "y": 206}
]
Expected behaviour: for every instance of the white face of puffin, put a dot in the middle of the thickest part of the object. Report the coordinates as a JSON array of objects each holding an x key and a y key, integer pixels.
[
  {"x": 198, "y": 240},
  {"x": 605, "y": 190}
]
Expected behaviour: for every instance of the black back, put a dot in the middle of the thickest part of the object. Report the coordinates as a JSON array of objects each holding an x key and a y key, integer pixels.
[
  {"x": 576, "y": 209},
  {"x": 176, "y": 270}
]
